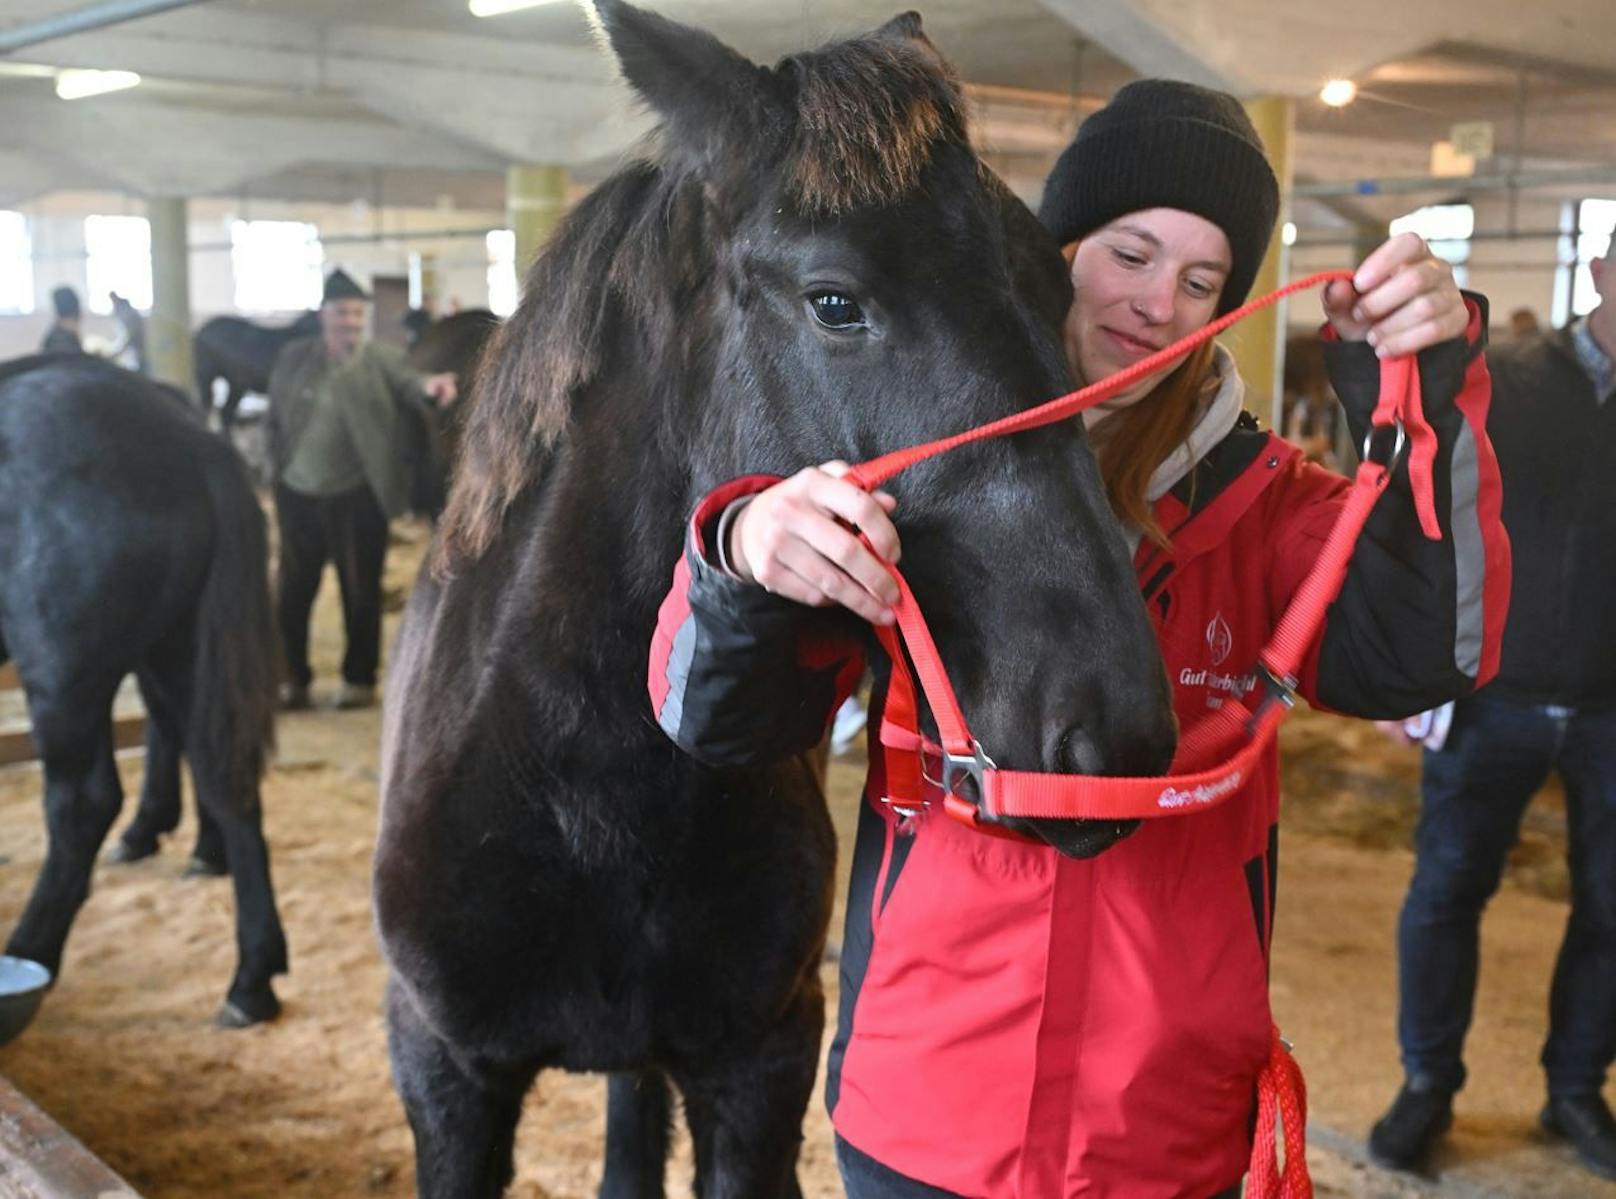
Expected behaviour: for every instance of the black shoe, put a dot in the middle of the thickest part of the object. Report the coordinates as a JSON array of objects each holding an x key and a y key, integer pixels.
[
  {"x": 1403, "y": 1137},
  {"x": 1586, "y": 1122}
]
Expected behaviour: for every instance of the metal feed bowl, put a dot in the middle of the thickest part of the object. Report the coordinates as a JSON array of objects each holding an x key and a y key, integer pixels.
[{"x": 22, "y": 987}]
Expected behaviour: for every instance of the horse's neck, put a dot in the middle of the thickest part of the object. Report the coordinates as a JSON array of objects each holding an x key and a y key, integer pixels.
[{"x": 602, "y": 527}]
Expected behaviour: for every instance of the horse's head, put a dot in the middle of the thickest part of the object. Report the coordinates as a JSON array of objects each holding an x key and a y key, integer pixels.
[{"x": 814, "y": 265}]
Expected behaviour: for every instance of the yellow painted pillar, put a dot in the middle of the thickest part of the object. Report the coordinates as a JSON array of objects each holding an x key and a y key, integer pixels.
[
  {"x": 1258, "y": 342},
  {"x": 168, "y": 332},
  {"x": 535, "y": 199}
]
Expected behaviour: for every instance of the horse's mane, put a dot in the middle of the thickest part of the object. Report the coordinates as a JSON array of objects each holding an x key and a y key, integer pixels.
[{"x": 864, "y": 117}]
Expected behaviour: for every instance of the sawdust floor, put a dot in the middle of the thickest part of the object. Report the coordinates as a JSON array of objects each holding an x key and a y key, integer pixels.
[{"x": 124, "y": 1055}]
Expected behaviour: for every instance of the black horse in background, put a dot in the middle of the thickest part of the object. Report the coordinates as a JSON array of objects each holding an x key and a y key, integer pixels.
[
  {"x": 131, "y": 543},
  {"x": 454, "y": 344},
  {"x": 242, "y": 354},
  {"x": 811, "y": 264}
]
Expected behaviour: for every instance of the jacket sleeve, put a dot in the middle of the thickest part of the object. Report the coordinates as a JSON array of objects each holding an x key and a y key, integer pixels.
[
  {"x": 406, "y": 383},
  {"x": 1417, "y": 622},
  {"x": 739, "y": 676},
  {"x": 281, "y": 380}
]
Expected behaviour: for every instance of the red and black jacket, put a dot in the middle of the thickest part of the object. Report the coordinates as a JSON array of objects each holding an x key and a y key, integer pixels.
[{"x": 1018, "y": 1024}]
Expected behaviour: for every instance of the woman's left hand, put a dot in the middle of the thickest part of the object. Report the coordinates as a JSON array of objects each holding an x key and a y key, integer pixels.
[
  {"x": 441, "y": 388},
  {"x": 1401, "y": 300}
]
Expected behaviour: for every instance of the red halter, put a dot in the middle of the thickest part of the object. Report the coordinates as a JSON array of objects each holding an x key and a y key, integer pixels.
[{"x": 1215, "y": 756}]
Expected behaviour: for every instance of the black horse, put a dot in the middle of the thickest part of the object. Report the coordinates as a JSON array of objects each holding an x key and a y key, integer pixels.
[
  {"x": 455, "y": 344},
  {"x": 131, "y": 542},
  {"x": 812, "y": 264},
  {"x": 242, "y": 354}
]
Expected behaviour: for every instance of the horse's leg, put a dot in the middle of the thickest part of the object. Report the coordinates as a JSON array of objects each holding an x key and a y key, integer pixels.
[
  {"x": 227, "y": 801},
  {"x": 746, "y": 1117},
  {"x": 209, "y": 857},
  {"x": 463, "y": 1113},
  {"x": 82, "y": 797},
  {"x": 232, "y": 400},
  {"x": 158, "y": 812},
  {"x": 638, "y": 1114},
  {"x": 260, "y": 941}
]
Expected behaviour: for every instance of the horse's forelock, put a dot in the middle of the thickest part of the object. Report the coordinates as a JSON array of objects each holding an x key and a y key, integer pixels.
[{"x": 870, "y": 113}]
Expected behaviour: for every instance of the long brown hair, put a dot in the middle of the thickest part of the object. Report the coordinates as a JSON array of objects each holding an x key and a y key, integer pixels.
[{"x": 1132, "y": 443}]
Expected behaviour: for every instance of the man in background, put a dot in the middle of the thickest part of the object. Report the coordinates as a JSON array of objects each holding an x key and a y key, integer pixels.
[
  {"x": 63, "y": 337},
  {"x": 1552, "y": 707},
  {"x": 337, "y": 443}
]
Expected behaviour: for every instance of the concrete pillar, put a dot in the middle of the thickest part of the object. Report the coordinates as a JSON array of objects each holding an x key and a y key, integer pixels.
[
  {"x": 168, "y": 332},
  {"x": 535, "y": 199},
  {"x": 424, "y": 281},
  {"x": 1258, "y": 342}
]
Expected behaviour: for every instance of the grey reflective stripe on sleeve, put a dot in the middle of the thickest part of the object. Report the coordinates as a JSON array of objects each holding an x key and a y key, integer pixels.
[
  {"x": 679, "y": 658},
  {"x": 1469, "y": 554}
]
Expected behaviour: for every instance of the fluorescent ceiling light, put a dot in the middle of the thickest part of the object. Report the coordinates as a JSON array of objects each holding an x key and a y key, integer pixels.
[
  {"x": 494, "y": 8},
  {"x": 75, "y": 84},
  {"x": 1339, "y": 93}
]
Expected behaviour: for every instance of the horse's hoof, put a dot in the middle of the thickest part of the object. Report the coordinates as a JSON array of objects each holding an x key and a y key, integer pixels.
[
  {"x": 245, "y": 1011},
  {"x": 124, "y": 852},
  {"x": 202, "y": 868}
]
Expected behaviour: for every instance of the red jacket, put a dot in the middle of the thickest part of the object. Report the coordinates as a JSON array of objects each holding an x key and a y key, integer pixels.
[{"x": 1018, "y": 1024}]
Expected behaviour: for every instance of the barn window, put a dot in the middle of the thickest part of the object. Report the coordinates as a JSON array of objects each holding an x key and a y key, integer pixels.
[
  {"x": 276, "y": 265},
  {"x": 1596, "y": 221},
  {"x": 16, "y": 264},
  {"x": 501, "y": 271},
  {"x": 1448, "y": 229},
  {"x": 118, "y": 259}
]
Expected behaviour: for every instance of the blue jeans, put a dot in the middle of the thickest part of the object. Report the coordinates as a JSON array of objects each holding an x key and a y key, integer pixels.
[
  {"x": 865, "y": 1178},
  {"x": 1475, "y": 790}
]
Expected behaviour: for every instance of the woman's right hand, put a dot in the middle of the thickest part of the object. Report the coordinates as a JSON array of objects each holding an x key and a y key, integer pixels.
[{"x": 799, "y": 539}]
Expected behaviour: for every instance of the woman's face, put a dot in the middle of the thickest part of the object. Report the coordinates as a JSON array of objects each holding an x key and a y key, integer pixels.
[{"x": 1139, "y": 284}]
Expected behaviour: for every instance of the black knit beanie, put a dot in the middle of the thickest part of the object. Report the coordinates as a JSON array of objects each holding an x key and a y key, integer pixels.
[
  {"x": 340, "y": 285},
  {"x": 1165, "y": 144}
]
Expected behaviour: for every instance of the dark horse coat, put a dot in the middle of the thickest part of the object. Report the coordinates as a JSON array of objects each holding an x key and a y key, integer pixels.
[
  {"x": 241, "y": 353},
  {"x": 812, "y": 264},
  {"x": 131, "y": 543}
]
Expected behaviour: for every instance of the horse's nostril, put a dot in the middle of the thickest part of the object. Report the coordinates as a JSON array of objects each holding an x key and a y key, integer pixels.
[{"x": 1076, "y": 753}]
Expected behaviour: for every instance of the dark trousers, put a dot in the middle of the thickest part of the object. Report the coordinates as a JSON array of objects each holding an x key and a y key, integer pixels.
[
  {"x": 865, "y": 1178},
  {"x": 1475, "y": 790},
  {"x": 348, "y": 530}
]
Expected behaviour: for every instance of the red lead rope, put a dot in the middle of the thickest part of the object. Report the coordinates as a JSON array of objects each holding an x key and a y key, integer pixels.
[{"x": 1216, "y": 756}]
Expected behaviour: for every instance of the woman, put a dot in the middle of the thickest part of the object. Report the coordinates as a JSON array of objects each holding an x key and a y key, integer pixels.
[{"x": 1016, "y": 1023}]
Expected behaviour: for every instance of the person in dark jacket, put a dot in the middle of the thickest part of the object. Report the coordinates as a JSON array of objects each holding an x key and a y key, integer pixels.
[
  {"x": 1552, "y": 707},
  {"x": 1018, "y": 1024},
  {"x": 64, "y": 337},
  {"x": 337, "y": 445}
]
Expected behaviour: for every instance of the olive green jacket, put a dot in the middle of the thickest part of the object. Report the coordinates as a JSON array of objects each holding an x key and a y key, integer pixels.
[{"x": 373, "y": 392}]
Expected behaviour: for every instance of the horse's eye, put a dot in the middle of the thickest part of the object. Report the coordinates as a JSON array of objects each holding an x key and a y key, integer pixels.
[{"x": 835, "y": 311}]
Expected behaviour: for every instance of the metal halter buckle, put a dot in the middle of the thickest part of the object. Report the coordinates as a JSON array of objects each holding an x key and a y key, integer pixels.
[
  {"x": 1275, "y": 690},
  {"x": 1398, "y": 444},
  {"x": 975, "y": 766}
]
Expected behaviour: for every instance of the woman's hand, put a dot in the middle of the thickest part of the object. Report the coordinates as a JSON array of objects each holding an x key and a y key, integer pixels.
[
  {"x": 799, "y": 539},
  {"x": 1401, "y": 300},
  {"x": 441, "y": 389}
]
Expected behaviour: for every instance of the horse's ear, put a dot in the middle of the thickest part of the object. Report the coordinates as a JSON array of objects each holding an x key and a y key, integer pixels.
[
  {"x": 906, "y": 24},
  {"x": 689, "y": 77}
]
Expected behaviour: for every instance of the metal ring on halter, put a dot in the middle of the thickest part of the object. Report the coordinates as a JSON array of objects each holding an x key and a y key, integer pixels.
[
  {"x": 975, "y": 767},
  {"x": 1398, "y": 444}
]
